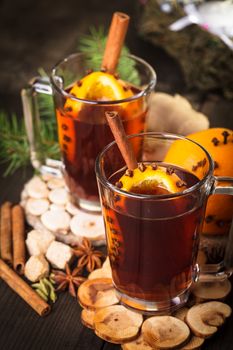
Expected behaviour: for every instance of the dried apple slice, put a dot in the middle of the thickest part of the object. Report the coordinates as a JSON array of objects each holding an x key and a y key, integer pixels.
[
  {"x": 56, "y": 221},
  {"x": 137, "y": 344},
  {"x": 55, "y": 182},
  {"x": 204, "y": 319},
  {"x": 87, "y": 318},
  {"x": 59, "y": 196},
  {"x": 36, "y": 188},
  {"x": 117, "y": 324},
  {"x": 165, "y": 332},
  {"x": 97, "y": 293},
  {"x": 87, "y": 225},
  {"x": 37, "y": 206},
  {"x": 211, "y": 290}
]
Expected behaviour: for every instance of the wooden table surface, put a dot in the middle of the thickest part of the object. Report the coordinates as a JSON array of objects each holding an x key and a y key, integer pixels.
[{"x": 33, "y": 37}]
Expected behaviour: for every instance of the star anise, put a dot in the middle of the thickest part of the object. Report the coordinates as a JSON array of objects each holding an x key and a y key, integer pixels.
[
  {"x": 70, "y": 279},
  {"x": 88, "y": 257}
]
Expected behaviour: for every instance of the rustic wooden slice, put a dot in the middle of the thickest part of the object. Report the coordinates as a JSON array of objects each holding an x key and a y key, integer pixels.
[
  {"x": 100, "y": 273},
  {"x": 211, "y": 290},
  {"x": 194, "y": 343},
  {"x": 87, "y": 318},
  {"x": 204, "y": 319},
  {"x": 97, "y": 293},
  {"x": 117, "y": 324},
  {"x": 181, "y": 313},
  {"x": 165, "y": 332},
  {"x": 137, "y": 344}
]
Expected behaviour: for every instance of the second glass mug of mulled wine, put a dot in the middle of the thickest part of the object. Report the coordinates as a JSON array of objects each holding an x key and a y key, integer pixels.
[
  {"x": 81, "y": 98},
  {"x": 153, "y": 219}
]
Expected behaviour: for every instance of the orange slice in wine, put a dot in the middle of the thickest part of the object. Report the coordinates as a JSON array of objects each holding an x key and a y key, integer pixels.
[
  {"x": 151, "y": 179},
  {"x": 97, "y": 86}
]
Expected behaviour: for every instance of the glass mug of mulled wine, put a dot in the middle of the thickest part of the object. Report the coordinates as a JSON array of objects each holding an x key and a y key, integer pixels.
[
  {"x": 82, "y": 94},
  {"x": 153, "y": 219}
]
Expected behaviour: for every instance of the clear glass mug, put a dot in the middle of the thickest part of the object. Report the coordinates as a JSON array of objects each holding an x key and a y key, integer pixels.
[
  {"x": 153, "y": 240},
  {"x": 82, "y": 128}
]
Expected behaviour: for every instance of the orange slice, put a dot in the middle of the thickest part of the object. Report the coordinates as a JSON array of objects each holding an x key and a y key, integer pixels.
[
  {"x": 148, "y": 181},
  {"x": 97, "y": 86}
]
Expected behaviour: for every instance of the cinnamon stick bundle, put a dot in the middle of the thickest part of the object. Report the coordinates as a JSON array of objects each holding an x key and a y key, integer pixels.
[
  {"x": 115, "y": 40},
  {"x": 18, "y": 285},
  {"x": 6, "y": 233},
  {"x": 18, "y": 234}
]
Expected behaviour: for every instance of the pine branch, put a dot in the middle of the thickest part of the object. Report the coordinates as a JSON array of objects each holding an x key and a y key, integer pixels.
[
  {"x": 14, "y": 147},
  {"x": 94, "y": 44}
]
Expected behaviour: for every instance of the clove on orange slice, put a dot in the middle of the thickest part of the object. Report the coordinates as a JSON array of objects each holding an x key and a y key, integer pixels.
[
  {"x": 150, "y": 179},
  {"x": 96, "y": 86}
]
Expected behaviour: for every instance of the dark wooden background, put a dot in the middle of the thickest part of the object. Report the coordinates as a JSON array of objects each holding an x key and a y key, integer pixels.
[{"x": 38, "y": 34}]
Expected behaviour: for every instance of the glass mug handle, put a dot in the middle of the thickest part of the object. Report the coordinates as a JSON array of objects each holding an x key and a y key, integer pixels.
[
  {"x": 206, "y": 273},
  {"x": 29, "y": 96}
]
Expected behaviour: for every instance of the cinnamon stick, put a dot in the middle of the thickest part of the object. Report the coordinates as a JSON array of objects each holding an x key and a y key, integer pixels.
[
  {"x": 123, "y": 143},
  {"x": 18, "y": 233},
  {"x": 18, "y": 285},
  {"x": 6, "y": 233},
  {"x": 115, "y": 40}
]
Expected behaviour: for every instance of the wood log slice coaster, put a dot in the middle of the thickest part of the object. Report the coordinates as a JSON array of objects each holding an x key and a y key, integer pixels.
[
  {"x": 100, "y": 273},
  {"x": 117, "y": 324},
  {"x": 103, "y": 272},
  {"x": 137, "y": 344},
  {"x": 97, "y": 293},
  {"x": 194, "y": 343},
  {"x": 165, "y": 332},
  {"x": 87, "y": 318},
  {"x": 204, "y": 319},
  {"x": 181, "y": 313}
]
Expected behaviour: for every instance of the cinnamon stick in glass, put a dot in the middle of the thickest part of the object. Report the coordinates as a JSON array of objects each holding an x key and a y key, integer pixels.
[
  {"x": 6, "y": 233},
  {"x": 123, "y": 143},
  {"x": 17, "y": 284},
  {"x": 18, "y": 234},
  {"x": 115, "y": 40}
]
